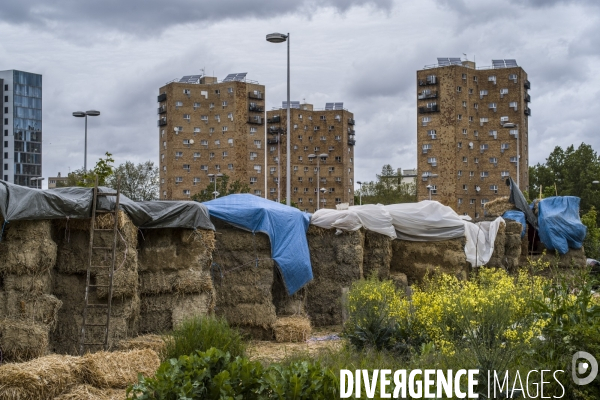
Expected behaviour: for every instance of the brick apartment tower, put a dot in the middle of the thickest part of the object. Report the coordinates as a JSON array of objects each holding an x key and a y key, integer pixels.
[
  {"x": 329, "y": 131},
  {"x": 206, "y": 128},
  {"x": 462, "y": 142}
]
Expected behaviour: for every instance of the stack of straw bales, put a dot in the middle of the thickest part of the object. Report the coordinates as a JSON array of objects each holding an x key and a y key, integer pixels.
[
  {"x": 69, "y": 285},
  {"x": 99, "y": 376},
  {"x": 175, "y": 281},
  {"x": 513, "y": 244},
  {"x": 337, "y": 261},
  {"x": 416, "y": 259},
  {"x": 244, "y": 280},
  {"x": 377, "y": 254},
  {"x": 28, "y": 310},
  {"x": 497, "y": 259}
]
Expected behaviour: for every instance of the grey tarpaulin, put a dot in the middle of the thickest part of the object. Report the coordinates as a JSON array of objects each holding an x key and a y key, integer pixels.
[
  {"x": 22, "y": 203},
  {"x": 517, "y": 198}
]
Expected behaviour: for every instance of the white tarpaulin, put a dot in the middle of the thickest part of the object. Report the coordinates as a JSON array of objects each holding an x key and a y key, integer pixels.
[
  {"x": 426, "y": 221},
  {"x": 480, "y": 240}
]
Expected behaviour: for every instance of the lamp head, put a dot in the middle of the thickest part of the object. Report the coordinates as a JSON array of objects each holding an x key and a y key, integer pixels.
[
  {"x": 359, "y": 182},
  {"x": 276, "y": 37},
  {"x": 92, "y": 113},
  {"x": 79, "y": 114}
]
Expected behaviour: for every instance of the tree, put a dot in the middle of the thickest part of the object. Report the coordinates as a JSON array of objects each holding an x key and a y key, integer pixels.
[
  {"x": 568, "y": 172},
  {"x": 138, "y": 182},
  {"x": 387, "y": 189},
  {"x": 102, "y": 170},
  {"x": 223, "y": 188}
]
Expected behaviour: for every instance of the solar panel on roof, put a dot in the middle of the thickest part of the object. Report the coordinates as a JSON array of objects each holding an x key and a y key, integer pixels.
[
  {"x": 293, "y": 104},
  {"x": 455, "y": 61},
  {"x": 498, "y": 63},
  {"x": 229, "y": 78},
  {"x": 240, "y": 77},
  {"x": 329, "y": 106},
  {"x": 338, "y": 106},
  {"x": 184, "y": 79},
  {"x": 511, "y": 63},
  {"x": 443, "y": 61}
]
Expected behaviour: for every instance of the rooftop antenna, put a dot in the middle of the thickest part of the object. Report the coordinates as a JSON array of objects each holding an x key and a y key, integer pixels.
[
  {"x": 467, "y": 58},
  {"x": 202, "y": 69}
]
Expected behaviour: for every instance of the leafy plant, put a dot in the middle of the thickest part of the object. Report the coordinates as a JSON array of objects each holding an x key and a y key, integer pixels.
[
  {"x": 200, "y": 334},
  {"x": 215, "y": 374}
]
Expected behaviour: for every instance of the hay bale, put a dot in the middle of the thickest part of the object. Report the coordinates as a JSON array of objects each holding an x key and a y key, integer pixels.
[
  {"x": 119, "y": 369},
  {"x": 175, "y": 249},
  {"x": 337, "y": 261},
  {"x": 158, "y": 314},
  {"x": 42, "y": 378},
  {"x": 21, "y": 231},
  {"x": 152, "y": 342},
  {"x": 89, "y": 392},
  {"x": 513, "y": 245},
  {"x": 497, "y": 207},
  {"x": 188, "y": 281},
  {"x": 33, "y": 284},
  {"x": 400, "y": 281},
  {"x": 73, "y": 252},
  {"x": 103, "y": 221},
  {"x": 497, "y": 258},
  {"x": 41, "y": 309},
  {"x": 125, "y": 283},
  {"x": 22, "y": 340},
  {"x": 27, "y": 257},
  {"x": 377, "y": 254},
  {"x": 292, "y": 329},
  {"x": 513, "y": 227},
  {"x": 416, "y": 259}
]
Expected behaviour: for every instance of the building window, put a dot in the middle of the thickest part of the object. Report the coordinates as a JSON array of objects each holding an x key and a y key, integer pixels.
[
  {"x": 464, "y": 187},
  {"x": 178, "y": 104},
  {"x": 186, "y": 192},
  {"x": 464, "y": 131},
  {"x": 492, "y": 78},
  {"x": 253, "y": 180},
  {"x": 424, "y": 121},
  {"x": 459, "y": 172},
  {"x": 493, "y": 160},
  {"x": 465, "y": 159},
  {"x": 460, "y": 145},
  {"x": 503, "y": 92},
  {"x": 459, "y": 117},
  {"x": 459, "y": 202},
  {"x": 196, "y": 106},
  {"x": 482, "y": 93},
  {"x": 464, "y": 104},
  {"x": 471, "y": 173},
  {"x": 257, "y": 143},
  {"x": 513, "y": 105},
  {"x": 458, "y": 89},
  {"x": 230, "y": 166},
  {"x": 471, "y": 201},
  {"x": 224, "y": 104},
  {"x": 196, "y": 130},
  {"x": 253, "y": 155},
  {"x": 504, "y": 119},
  {"x": 484, "y": 174}
]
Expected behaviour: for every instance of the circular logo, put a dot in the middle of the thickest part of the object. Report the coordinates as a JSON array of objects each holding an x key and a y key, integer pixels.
[{"x": 580, "y": 368}]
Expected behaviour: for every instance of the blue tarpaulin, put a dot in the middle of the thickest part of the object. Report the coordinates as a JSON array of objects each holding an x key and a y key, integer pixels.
[
  {"x": 559, "y": 225},
  {"x": 518, "y": 216},
  {"x": 285, "y": 226}
]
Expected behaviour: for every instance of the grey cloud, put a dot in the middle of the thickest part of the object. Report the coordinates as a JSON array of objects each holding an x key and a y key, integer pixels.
[{"x": 151, "y": 17}]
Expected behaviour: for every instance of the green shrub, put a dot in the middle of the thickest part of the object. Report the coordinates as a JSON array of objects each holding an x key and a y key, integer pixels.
[
  {"x": 200, "y": 334},
  {"x": 214, "y": 374},
  {"x": 591, "y": 243}
]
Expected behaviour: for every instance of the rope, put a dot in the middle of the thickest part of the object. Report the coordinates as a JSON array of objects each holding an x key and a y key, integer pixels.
[
  {"x": 2, "y": 231},
  {"x": 124, "y": 253},
  {"x": 67, "y": 231}
]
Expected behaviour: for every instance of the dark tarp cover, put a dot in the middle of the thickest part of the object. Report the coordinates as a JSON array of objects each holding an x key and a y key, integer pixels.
[
  {"x": 518, "y": 216},
  {"x": 285, "y": 226},
  {"x": 559, "y": 225},
  {"x": 517, "y": 198},
  {"x": 22, "y": 203}
]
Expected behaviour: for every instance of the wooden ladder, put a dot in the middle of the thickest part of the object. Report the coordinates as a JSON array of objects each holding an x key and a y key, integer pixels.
[{"x": 84, "y": 341}]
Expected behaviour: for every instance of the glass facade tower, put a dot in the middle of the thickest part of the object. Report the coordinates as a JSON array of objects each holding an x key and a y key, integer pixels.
[{"x": 21, "y": 116}]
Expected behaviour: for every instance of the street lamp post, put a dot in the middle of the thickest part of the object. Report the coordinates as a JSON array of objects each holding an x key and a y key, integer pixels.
[
  {"x": 477, "y": 189},
  {"x": 323, "y": 190},
  {"x": 279, "y": 38},
  {"x": 429, "y": 187},
  {"x": 518, "y": 138},
  {"x": 81, "y": 114},
  {"x": 215, "y": 193},
  {"x": 360, "y": 193},
  {"x": 319, "y": 157}
]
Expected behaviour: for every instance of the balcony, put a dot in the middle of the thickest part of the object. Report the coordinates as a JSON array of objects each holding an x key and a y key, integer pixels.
[
  {"x": 274, "y": 131},
  {"x": 351, "y": 121},
  {"x": 256, "y": 109},
  {"x": 257, "y": 96},
  {"x": 274, "y": 120},
  {"x": 351, "y": 132},
  {"x": 427, "y": 96},
  {"x": 351, "y": 142},
  {"x": 527, "y": 98},
  {"x": 528, "y": 112},
  {"x": 255, "y": 120},
  {"x": 425, "y": 110},
  {"x": 527, "y": 85},
  {"x": 273, "y": 141},
  {"x": 427, "y": 82},
  {"x": 162, "y": 122},
  {"x": 161, "y": 110},
  {"x": 161, "y": 97}
]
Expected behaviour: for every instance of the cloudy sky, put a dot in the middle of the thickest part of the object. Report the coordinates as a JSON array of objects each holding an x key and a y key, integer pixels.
[{"x": 113, "y": 56}]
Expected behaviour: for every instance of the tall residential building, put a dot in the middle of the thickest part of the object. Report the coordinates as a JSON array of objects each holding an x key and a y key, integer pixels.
[
  {"x": 469, "y": 123},
  {"x": 209, "y": 127},
  {"x": 21, "y": 116},
  {"x": 327, "y": 134}
]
